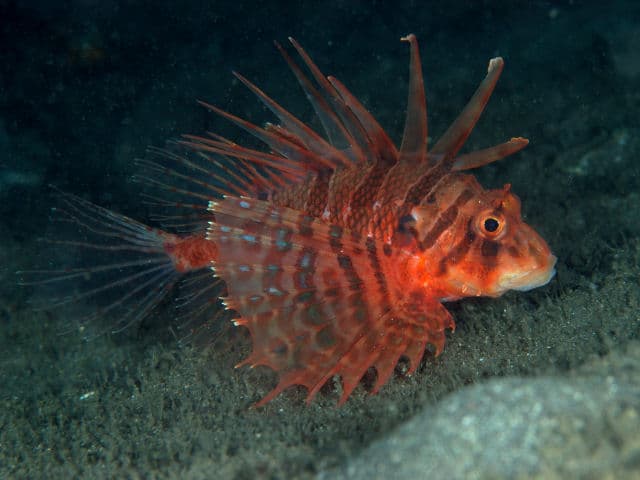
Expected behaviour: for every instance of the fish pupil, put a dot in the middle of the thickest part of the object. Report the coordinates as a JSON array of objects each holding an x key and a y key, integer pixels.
[{"x": 491, "y": 224}]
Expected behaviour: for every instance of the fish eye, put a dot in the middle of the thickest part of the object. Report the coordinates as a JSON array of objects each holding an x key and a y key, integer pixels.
[{"x": 491, "y": 225}]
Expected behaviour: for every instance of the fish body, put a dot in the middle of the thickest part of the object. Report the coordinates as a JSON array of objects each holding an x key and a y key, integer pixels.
[{"x": 338, "y": 250}]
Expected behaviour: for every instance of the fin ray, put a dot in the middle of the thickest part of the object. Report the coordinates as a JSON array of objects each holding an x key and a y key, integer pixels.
[{"x": 456, "y": 135}]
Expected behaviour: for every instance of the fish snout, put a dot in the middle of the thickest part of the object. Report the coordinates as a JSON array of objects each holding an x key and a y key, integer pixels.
[{"x": 535, "y": 266}]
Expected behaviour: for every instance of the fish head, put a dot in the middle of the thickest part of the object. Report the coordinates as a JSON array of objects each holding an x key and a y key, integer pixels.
[{"x": 488, "y": 249}]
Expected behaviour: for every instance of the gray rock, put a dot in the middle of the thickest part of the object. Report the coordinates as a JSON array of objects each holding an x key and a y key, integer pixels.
[{"x": 584, "y": 426}]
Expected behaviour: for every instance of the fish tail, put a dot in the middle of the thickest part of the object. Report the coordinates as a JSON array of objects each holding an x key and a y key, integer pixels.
[{"x": 116, "y": 268}]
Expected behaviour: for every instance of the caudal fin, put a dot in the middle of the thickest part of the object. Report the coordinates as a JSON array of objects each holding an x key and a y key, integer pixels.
[{"x": 107, "y": 265}]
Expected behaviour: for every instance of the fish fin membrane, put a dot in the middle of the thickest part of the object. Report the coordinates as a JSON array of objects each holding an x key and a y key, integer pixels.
[{"x": 109, "y": 272}]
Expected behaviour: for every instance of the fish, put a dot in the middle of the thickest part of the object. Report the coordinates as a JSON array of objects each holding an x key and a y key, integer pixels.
[{"x": 337, "y": 249}]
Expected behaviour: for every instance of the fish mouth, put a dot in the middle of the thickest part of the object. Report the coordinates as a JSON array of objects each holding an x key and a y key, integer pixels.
[{"x": 531, "y": 279}]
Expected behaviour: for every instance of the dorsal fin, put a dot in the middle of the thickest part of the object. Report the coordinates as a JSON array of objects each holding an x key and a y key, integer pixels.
[
  {"x": 359, "y": 142},
  {"x": 458, "y": 132},
  {"x": 485, "y": 156},
  {"x": 336, "y": 132},
  {"x": 414, "y": 138},
  {"x": 386, "y": 150},
  {"x": 296, "y": 127}
]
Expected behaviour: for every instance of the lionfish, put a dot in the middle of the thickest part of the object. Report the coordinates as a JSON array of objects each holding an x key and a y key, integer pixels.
[{"x": 336, "y": 251}]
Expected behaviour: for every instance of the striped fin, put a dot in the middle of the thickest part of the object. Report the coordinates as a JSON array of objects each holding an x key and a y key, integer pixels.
[{"x": 314, "y": 297}]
